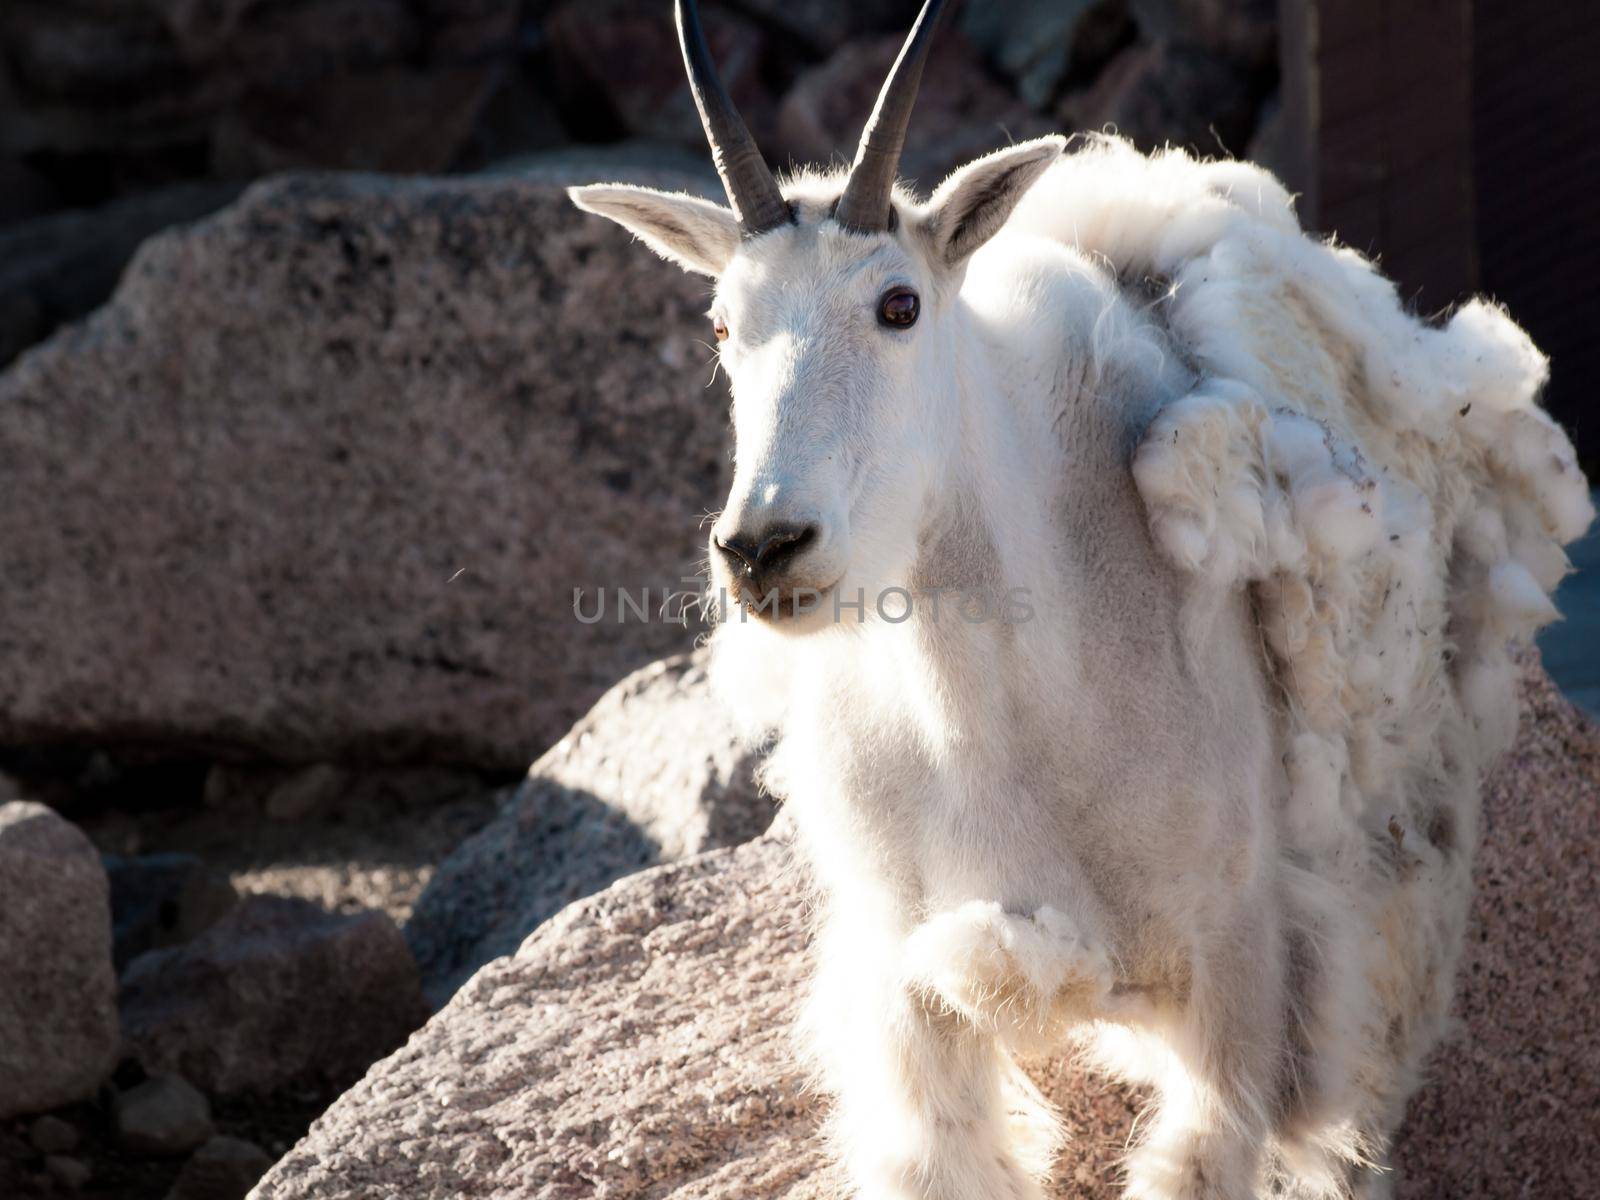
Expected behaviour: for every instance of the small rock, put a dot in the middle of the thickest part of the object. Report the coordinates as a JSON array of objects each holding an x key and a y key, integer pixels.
[
  {"x": 163, "y": 900},
  {"x": 52, "y": 1135},
  {"x": 163, "y": 1115},
  {"x": 68, "y": 1172},
  {"x": 279, "y": 991},
  {"x": 305, "y": 792},
  {"x": 58, "y": 1020},
  {"x": 10, "y": 789},
  {"x": 225, "y": 1168}
]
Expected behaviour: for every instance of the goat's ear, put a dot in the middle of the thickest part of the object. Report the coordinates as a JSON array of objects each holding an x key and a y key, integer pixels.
[
  {"x": 970, "y": 207},
  {"x": 694, "y": 233}
]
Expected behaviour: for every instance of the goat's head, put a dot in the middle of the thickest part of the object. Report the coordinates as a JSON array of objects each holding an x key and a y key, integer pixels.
[{"x": 832, "y": 300}]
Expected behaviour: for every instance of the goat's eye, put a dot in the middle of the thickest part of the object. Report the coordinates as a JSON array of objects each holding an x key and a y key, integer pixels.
[
  {"x": 720, "y": 328},
  {"x": 899, "y": 308}
]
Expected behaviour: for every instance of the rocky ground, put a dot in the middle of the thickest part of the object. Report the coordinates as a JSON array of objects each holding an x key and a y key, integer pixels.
[
  {"x": 204, "y": 1002},
  {"x": 636, "y": 1044}
]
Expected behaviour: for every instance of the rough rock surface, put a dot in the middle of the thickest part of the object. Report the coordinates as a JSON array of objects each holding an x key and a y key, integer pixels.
[
  {"x": 353, "y": 443},
  {"x": 58, "y": 1016},
  {"x": 653, "y": 773},
  {"x": 278, "y": 992},
  {"x": 636, "y": 1044}
]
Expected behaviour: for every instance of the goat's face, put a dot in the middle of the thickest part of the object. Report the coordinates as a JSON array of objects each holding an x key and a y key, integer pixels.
[
  {"x": 825, "y": 335},
  {"x": 839, "y": 348}
]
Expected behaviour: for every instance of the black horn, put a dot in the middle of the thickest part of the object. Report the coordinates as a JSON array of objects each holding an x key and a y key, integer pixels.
[
  {"x": 752, "y": 191},
  {"x": 865, "y": 206}
]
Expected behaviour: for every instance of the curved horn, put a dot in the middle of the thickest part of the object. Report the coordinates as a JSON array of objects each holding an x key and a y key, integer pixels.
[
  {"x": 864, "y": 206},
  {"x": 752, "y": 191}
]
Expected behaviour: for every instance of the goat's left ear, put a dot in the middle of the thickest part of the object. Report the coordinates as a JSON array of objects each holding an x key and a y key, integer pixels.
[
  {"x": 970, "y": 207},
  {"x": 694, "y": 233}
]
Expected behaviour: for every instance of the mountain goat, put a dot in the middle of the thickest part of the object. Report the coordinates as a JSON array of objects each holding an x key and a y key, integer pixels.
[{"x": 1184, "y": 771}]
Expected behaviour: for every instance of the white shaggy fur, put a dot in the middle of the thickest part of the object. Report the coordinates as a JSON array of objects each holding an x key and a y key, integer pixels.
[{"x": 1209, "y": 814}]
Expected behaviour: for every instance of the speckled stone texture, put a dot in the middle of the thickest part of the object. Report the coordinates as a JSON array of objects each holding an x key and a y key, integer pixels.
[
  {"x": 1513, "y": 1104},
  {"x": 58, "y": 1014},
  {"x": 654, "y": 772},
  {"x": 320, "y": 480},
  {"x": 636, "y": 1046}
]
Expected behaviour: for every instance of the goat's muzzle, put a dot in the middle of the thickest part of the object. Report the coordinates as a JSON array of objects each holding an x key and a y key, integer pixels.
[{"x": 761, "y": 565}]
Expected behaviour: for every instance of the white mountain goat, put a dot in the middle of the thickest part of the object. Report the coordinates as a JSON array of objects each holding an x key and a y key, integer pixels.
[{"x": 1184, "y": 770}]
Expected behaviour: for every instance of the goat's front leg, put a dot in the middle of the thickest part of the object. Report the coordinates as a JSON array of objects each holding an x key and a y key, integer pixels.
[
  {"x": 1012, "y": 974},
  {"x": 928, "y": 1106}
]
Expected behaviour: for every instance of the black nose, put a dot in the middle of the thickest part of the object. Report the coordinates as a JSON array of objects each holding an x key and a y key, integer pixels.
[{"x": 758, "y": 558}]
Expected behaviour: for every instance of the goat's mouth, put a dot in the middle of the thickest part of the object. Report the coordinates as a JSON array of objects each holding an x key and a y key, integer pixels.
[{"x": 792, "y": 606}]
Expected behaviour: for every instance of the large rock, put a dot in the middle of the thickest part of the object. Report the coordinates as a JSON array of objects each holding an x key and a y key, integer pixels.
[
  {"x": 279, "y": 992},
  {"x": 636, "y": 1044},
  {"x": 374, "y": 84},
  {"x": 654, "y": 772},
  {"x": 321, "y": 480},
  {"x": 58, "y": 1016}
]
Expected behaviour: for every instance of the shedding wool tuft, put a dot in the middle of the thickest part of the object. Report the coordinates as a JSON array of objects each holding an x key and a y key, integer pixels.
[{"x": 1388, "y": 489}]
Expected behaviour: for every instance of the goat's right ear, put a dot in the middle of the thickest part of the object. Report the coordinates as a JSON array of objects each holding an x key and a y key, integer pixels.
[{"x": 694, "y": 233}]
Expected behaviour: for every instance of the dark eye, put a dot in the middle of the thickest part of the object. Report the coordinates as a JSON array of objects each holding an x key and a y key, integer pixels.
[
  {"x": 899, "y": 308},
  {"x": 720, "y": 328}
]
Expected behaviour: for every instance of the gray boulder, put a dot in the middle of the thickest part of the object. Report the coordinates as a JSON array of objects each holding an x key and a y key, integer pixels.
[
  {"x": 279, "y": 992},
  {"x": 636, "y": 1044},
  {"x": 654, "y": 772},
  {"x": 58, "y": 1016},
  {"x": 398, "y": 423}
]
